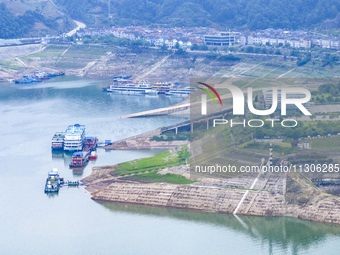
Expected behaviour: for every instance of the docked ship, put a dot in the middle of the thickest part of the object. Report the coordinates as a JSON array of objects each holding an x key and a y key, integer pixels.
[
  {"x": 74, "y": 138},
  {"x": 162, "y": 88},
  {"x": 58, "y": 141},
  {"x": 41, "y": 75},
  {"x": 80, "y": 159},
  {"x": 141, "y": 87},
  {"x": 90, "y": 143},
  {"x": 27, "y": 79},
  {"x": 179, "y": 91},
  {"x": 53, "y": 181}
]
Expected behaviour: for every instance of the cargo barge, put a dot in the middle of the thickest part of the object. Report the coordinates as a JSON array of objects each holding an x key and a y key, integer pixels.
[
  {"x": 90, "y": 143},
  {"x": 80, "y": 159}
]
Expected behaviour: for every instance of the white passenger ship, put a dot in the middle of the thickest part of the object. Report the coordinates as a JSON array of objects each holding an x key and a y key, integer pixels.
[
  {"x": 74, "y": 138},
  {"x": 133, "y": 88}
]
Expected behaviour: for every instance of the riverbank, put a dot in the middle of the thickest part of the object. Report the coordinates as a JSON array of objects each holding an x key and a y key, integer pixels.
[{"x": 219, "y": 196}]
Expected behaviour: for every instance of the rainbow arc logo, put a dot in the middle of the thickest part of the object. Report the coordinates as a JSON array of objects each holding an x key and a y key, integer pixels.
[
  {"x": 209, "y": 93},
  {"x": 204, "y": 97}
]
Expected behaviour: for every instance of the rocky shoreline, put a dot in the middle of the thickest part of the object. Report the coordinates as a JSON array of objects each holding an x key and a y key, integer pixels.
[{"x": 270, "y": 196}]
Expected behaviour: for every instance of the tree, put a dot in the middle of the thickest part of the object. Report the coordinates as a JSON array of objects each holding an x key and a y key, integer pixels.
[
  {"x": 194, "y": 46},
  {"x": 330, "y": 99},
  {"x": 164, "y": 47},
  {"x": 177, "y": 45}
]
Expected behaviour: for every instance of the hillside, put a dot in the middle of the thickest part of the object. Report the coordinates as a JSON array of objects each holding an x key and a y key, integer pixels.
[
  {"x": 32, "y": 18},
  {"x": 41, "y": 17},
  {"x": 252, "y": 14}
]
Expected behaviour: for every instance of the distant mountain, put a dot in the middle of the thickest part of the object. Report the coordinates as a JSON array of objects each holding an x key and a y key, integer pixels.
[
  {"x": 50, "y": 17},
  {"x": 252, "y": 14},
  {"x": 26, "y": 18}
]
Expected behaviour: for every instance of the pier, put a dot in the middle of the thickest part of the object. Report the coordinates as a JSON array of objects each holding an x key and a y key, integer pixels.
[{"x": 184, "y": 108}]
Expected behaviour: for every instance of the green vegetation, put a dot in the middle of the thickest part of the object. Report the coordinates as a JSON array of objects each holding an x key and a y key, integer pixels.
[
  {"x": 155, "y": 177},
  {"x": 159, "y": 161},
  {"x": 254, "y": 14},
  {"x": 326, "y": 143},
  {"x": 277, "y": 147},
  {"x": 303, "y": 61},
  {"x": 9, "y": 65},
  {"x": 50, "y": 51},
  {"x": 80, "y": 55},
  {"x": 87, "y": 11},
  {"x": 171, "y": 137},
  {"x": 327, "y": 93},
  {"x": 196, "y": 46},
  {"x": 112, "y": 40},
  {"x": 17, "y": 26}
]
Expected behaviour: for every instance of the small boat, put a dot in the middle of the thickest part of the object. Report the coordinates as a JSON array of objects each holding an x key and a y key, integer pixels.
[
  {"x": 52, "y": 181},
  {"x": 79, "y": 159},
  {"x": 27, "y": 79},
  {"x": 93, "y": 155},
  {"x": 72, "y": 183}
]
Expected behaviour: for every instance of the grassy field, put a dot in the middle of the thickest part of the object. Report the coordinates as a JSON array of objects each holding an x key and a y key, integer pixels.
[
  {"x": 155, "y": 177},
  {"x": 159, "y": 161},
  {"x": 79, "y": 56},
  {"x": 9, "y": 65},
  {"x": 326, "y": 143},
  {"x": 51, "y": 51}
]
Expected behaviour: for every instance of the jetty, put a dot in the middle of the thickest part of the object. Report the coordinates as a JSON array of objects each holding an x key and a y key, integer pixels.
[{"x": 175, "y": 109}]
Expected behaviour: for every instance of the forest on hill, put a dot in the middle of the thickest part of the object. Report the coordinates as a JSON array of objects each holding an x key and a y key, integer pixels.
[
  {"x": 12, "y": 26},
  {"x": 251, "y": 14},
  {"x": 237, "y": 14}
]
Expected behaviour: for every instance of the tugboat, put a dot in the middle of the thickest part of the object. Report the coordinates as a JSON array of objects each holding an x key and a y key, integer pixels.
[
  {"x": 52, "y": 181},
  {"x": 79, "y": 159}
]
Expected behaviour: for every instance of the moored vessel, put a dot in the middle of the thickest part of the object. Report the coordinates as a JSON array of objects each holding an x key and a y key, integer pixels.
[
  {"x": 74, "y": 138},
  {"x": 52, "y": 181},
  {"x": 90, "y": 143},
  {"x": 79, "y": 159},
  {"x": 58, "y": 141},
  {"x": 141, "y": 87},
  {"x": 179, "y": 91}
]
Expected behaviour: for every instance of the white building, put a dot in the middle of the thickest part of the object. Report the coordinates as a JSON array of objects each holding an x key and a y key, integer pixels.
[{"x": 222, "y": 39}]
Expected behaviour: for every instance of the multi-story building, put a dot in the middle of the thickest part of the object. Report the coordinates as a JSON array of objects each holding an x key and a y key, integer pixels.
[{"x": 221, "y": 39}]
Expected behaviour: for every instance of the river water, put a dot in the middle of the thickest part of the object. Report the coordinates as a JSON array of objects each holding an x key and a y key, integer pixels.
[{"x": 32, "y": 222}]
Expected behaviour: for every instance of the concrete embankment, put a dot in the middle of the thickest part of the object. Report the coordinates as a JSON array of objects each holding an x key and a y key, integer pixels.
[
  {"x": 268, "y": 198},
  {"x": 194, "y": 197}
]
